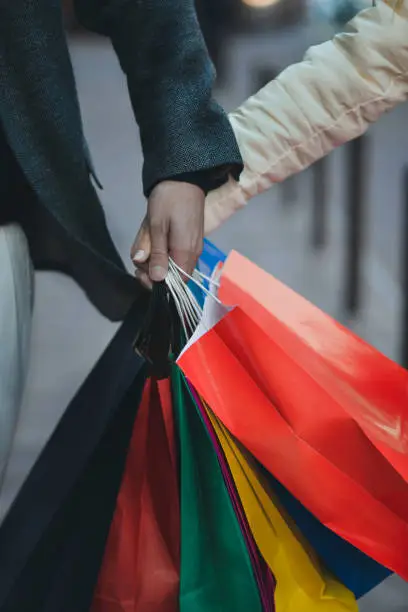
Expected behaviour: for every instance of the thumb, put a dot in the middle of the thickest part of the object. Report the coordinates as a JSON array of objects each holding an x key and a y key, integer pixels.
[
  {"x": 159, "y": 257},
  {"x": 141, "y": 248}
]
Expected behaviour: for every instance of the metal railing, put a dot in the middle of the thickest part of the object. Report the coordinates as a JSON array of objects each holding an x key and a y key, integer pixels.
[
  {"x": 319, "y": 204},
  {"x": 356, "y": 227},
  {"x": 356, "y": 222},
  {"x": 404, "y": 271}
]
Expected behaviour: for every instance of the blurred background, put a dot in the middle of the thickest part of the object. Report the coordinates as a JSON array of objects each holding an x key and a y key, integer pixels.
[{"x": 337, "y": 233}]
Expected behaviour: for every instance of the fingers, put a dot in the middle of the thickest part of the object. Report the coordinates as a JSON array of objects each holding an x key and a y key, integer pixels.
[
  {"x": 159, "y": 255},
  {"x": 186, "y": 235},
  {"x": 141, "y": 248},
  {"x": 143, "y": 278},
  {"x": 186, "y": 259},
  {"x": 140, "y": 253},
  {"x": 174, "y": 226},
  {"x": 186, "y": 247}
]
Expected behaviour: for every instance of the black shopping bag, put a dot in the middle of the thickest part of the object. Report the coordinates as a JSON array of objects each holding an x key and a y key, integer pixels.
[{"x": 53, "y": 538}]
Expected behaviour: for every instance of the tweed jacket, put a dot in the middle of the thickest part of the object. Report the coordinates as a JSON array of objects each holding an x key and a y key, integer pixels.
[{"x": 183, "y": 131}]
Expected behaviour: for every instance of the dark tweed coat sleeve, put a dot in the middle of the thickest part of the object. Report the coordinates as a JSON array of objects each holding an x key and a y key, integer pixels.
[{"x": 170, "y": 77}]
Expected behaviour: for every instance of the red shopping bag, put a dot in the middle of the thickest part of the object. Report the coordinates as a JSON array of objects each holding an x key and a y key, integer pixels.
[
  {"x": 369, "y": 386},
  {"x": 263, "y": 370},
  {"x": 141, "y": 565}
]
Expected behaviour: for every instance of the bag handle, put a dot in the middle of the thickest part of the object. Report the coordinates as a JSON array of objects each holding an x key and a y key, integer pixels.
[{"x": 171, "y": 319}]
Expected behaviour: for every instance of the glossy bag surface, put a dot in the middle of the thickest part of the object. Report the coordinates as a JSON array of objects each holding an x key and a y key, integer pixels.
[
  {"x": 141, "y": 564},
  {"x": 302, "y": 582},
  {"x": 257, "y": 375},
  {"x": 356, "y": 570},
  {"x": 370, "y": 388},
  {"x": 263, "y": 574},
  {"x": 216, "y": 570}
]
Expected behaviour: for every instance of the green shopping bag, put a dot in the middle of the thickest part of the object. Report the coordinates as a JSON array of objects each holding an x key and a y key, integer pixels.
[{"x": 216, "y": 573}]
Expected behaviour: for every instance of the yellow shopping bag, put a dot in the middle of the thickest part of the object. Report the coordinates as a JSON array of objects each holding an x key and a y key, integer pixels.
[{"x": 302, "y": 584}]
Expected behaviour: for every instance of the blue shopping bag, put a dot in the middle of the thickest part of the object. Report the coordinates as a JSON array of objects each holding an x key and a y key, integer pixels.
[
  {"x": 354, "y": 569},
  {"x": 209, "y": 258}
]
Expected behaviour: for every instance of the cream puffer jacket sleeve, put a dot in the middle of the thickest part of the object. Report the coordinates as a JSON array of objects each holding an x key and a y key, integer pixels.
[{"x": 329, "y": 98}]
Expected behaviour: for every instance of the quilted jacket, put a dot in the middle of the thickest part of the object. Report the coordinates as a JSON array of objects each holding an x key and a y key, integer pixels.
[{"x": 331, "y": 97}]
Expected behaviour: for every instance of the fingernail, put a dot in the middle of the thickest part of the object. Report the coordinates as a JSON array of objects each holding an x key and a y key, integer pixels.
[
  {"x": 139, "y": 256},
  {"x": 158, "y": 273}
]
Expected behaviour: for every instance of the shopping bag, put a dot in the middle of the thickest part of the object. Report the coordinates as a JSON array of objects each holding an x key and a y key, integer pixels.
[
  {"x": 264, "y": 577},
  {"x": 271, "y": 400},
  {"x": 369, "y": 387},
  {"x": 354, "y": 569},
  {"x": 53, "y": 537},
  {"x": 210, "y": 257},
  {"x": 302, "y": 583},
  {"x": 141, "y": 565},
  {"x": 216, "y": 572}
]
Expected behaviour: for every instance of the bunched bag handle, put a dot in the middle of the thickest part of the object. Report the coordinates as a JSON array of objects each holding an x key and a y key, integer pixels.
[{"x": 173, "y": 315}]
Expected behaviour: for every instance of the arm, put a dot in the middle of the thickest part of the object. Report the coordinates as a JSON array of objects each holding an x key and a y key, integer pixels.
[
  {"x": 328, "y": 99},
  {"x": 185, "y": 135}
]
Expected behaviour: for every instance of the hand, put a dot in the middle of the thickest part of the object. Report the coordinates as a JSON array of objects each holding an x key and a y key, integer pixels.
[{"x": 173, "y": 227}]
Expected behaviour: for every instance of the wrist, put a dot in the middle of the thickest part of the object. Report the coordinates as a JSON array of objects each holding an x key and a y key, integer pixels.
[{"x": 209, "y": 179}]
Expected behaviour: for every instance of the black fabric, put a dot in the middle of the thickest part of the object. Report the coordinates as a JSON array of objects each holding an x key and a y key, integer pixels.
[
  {"x": 207, "y": 180},
  {"x": 53, "y": 538},
  {"x": 170, "y": 78},
  {"x": 52, "y": 247}
]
